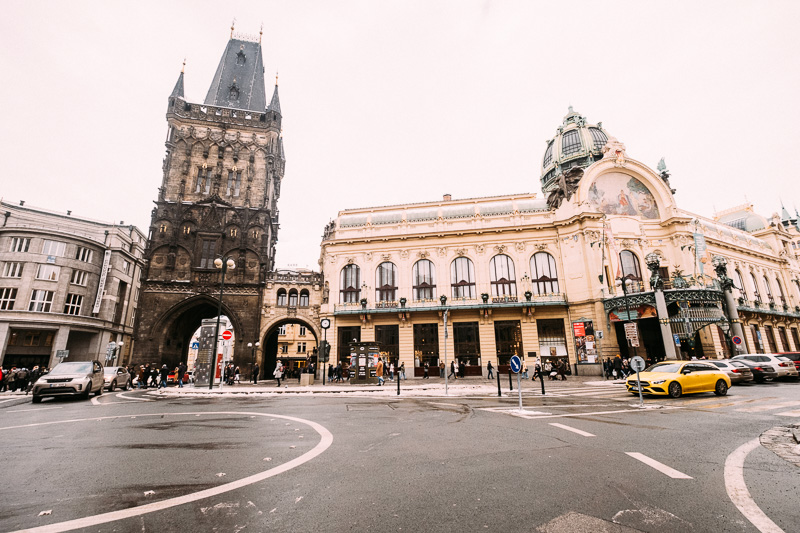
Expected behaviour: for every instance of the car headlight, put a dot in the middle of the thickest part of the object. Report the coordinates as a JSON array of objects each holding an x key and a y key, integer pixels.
[{"x": 659, "y": 382}]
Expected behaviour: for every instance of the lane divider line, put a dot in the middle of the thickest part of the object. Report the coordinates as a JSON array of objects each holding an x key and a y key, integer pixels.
[
  {"x": 737, "y": 489},
  {"x": 572, "y": 429},
  {"x": 326, "y": 439},
  {"x": 796, "y": 412},
  {"x": 661, "y": 467},
  {"x": 33, "y": 409}
]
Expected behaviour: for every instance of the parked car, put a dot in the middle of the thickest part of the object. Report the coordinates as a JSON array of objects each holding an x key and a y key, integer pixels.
[
  {"x": 73, "y": 378},
  {"x": 761, "y": 371},
  {"x": 783, "y": 366},
  {"x": 116, "y": 376},
  {"x": 678, "y": 377},
  {"x": 736, "y": 370},
  {"x": 794, "y": 356}
]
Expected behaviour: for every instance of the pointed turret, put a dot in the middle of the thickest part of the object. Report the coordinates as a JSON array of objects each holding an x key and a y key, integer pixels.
[
  {"x": 239, "y": 80},
  {"x": 280, "y": 148},
  {"x": 275, "y": 103},
  {"x": 177, "y": 92}
]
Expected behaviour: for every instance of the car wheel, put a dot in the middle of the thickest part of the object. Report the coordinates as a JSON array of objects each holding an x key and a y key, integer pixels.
[
  {"x": 128, "y": 385},
  {"x": 112, "y": 386},
  {"x": 675, "y": 389},
  {"x": 36, "y": 399},
  {"x": 759, "y": 379},
  {"x": 721, "y": 388},
  {"x": 88, "y": 390}
]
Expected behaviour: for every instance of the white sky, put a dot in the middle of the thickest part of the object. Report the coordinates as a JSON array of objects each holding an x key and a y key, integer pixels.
[{"x": 388, "y": 102}]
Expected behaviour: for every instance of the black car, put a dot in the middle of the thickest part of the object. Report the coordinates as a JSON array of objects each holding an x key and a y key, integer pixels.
[{"x": 761, "y": 371}]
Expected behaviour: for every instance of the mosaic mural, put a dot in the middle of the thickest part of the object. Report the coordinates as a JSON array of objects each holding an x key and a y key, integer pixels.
[{"x": 619, "y": 194}]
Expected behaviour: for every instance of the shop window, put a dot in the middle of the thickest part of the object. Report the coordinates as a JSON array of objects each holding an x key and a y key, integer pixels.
[
  {"x": 502, "y": 277},
  {"x": 389, "y": 339},
  {"x": 344, "y": 336},
  {"x": 552, "y": 338},
  {"x": 426, "y": 346}
]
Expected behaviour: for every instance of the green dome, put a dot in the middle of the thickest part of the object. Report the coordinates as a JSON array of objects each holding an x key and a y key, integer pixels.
[{"x": 576, "y": 144}]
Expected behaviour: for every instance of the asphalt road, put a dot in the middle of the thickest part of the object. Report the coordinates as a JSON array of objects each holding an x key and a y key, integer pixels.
[{"x": 579, "y": 459}]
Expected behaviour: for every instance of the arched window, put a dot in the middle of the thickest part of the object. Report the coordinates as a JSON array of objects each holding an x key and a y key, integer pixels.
[
  {"x": 502, "y": 277},
  {"x": 424, "y": 285},
  {"x": 293, "y": 298},
  {"x": 544, "y": 274},
  {"x": 304, "y": 298},
  {"x": 349, "y": 282},
  {"x": 462, "y": 278},
  {"x": 548, "y": 154},
  {"x": 741, "y": 287},
  {"x": 781, "y": 292},
  {"x": 571, "y": 142},
  {"x": 281, "y": 297},
  {"x": 598, "y": 138},
  {"x": 386, "y": 282},
  {"x": 631, "y": 270},
  {"x": 756, "y": 293},
  {"x": 768, "y": 287}
]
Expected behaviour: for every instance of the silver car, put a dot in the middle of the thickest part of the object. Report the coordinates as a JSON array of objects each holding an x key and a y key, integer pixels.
[
  {"x": 116, "y": 376},
  {"x": 737, "y": 371},
  {"x": 783, "y": 365},
  {"x": 74, "y": 378}
]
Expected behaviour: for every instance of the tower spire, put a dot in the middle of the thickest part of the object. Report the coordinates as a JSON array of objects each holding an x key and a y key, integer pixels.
[
  {"x": 275, "y": 103},
  {"x": 177, "y": 91}
]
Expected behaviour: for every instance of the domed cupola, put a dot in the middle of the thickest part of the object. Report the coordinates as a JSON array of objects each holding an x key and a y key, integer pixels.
[{"x": 577, "y": 144}]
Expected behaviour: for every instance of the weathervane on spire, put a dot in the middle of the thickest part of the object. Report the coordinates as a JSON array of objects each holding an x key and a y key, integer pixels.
[
  {"x": 276, "y": 78},
  {"x": 260, "y": 32},
  {"x": 184, "y": 65},
  {"x": 233, "y": 23}
]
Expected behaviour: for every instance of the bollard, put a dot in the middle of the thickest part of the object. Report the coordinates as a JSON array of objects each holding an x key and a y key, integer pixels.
[
  {"x": 541, "y": 378},
  {"x": 398, "y": 384},
  {"x": 510, "y": 383},
  {"x": 499, "y": 392}
]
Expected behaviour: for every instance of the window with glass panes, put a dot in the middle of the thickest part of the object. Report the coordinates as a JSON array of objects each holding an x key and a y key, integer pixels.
[
  {"x": 462, "y": 278},
  {"x": 741, "y": 287},
  {"x": 598, "y": 138},
  {"x": 234, "y": 183},
  {"x": 72, "y": 305},
  {"x": 796, "y": 339},
  {"x": 55, "y": 248},
  {"x": 756, "y": 292},
  {"x": 544, "y": 276},
  {"x": 768, "y": 288},
  {"x": 388, "y": 336},
  {"x": 203, "y": 181},
  {"x": 426, "y": 345},
  {"x": 303, "y": 298},
  {"x": 466, "y": 343},
  {"x": 773, "y": 346},
  {"x": 502, "y": 277},
  {"x": 508, "y": 340},
  {"x": 349, "y": 281},
  {"x": 571, "y": 142},
  {"x": 79, "y": 277},
  {"x": 784, "y": 339},
  {"x": 208, "y": 252},
  {"x": 293, "y": 298},
  {"x": 552, "y": 337},
  {"x": 344, "y": 336},
  {"x": 281, "y": 297},
  {"x": 47, "y": 272},
  {"x": 84, "y": 254},
  {"x": 8, "y": 296},
  {"x": 282, "y": 330},
  {"x": 424, "y": 274},
  {"x": 757, "y": 340},
  {"x": 19, "y": 244},
  {"x": 302, "y": 331},
  {"x": 631, "y": 270},
  {"x": 41, "y": 301},
  {"x": 12, "y": 270},
  {"x": 386, "y": 282}
]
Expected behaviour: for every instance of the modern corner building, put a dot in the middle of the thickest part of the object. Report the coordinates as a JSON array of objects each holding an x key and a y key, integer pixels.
[
  {"x": 218, "y": 198},
  {"x": 559, "y": 277},
  {"x": 68, "y": 287}
]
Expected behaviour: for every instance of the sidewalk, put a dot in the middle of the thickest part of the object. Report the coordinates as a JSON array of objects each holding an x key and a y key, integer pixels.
[{"x": 471, "y": 386}]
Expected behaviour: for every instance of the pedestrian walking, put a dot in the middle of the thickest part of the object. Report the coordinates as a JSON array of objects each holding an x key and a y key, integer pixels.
[
  {"x": 379, "y": 371},
  {"x": 489, "y": 370},
  {"x": 441, "y": 369},
  {"x": 425, "y": 371},
  {"x": 402, "y": 372},
  {"x": 164, "y": 375},
  {"x": 525, "y": 371},
  {"x": 278, "y": 373},
  {"x": 452, "y": 373},
  {"x": 181, "y": 374},
  {"x": 391, "y": 372},
  {"x": 462, "y": 367},
  {"x": 562, "y": 370},
  {"x": 237, "y": 373},
  {"x": 616, "y": 367},
  {"x": 537, "y": 370},
  {"x": 256, "y": 369}
]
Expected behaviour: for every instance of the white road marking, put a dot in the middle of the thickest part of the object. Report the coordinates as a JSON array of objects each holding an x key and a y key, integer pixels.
[
  {"x": 572, "y": 429},
  {"x": 767, "y": 407},
  {"x": 326, "y": 439},
  {"x": 737, "y": 489},
  {"x": 597, "y": 413},
  {"x": 447, "y": 404},
  {"x": 9, "y": 400},
  {"x": 33, "y": 409},
  {"x": 122, "y": 395},
  {"x": 661, "y": 467},
  {"x": 796, "y": 412}
]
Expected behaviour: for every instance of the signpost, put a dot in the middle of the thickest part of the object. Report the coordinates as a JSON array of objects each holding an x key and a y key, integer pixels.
[
  {"x": 632, "y": 333},
  {"x": 227, "y": 335},
  {"x": 638, "y": 364},
  {"x": 323, "y": 351},
  {"x": 677, "y": 339},
  {"x": 737, "y": 340},
  {"x": 62, "y": 354},
  {"x": 516, "y": 366}
]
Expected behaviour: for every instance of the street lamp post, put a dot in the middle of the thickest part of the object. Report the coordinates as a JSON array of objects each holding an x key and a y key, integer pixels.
[
  {"x": 222, "y": 263},
  {"x": 625, "y": 285},
  {"x": 118, "y": 351},
  {"x": 253, "y": 355}
]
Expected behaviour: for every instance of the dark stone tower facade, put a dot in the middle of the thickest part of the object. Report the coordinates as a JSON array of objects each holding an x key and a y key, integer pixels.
[{"x": 218, "y": 198}]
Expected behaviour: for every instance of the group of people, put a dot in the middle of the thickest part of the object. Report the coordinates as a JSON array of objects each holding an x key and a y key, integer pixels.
[
  {"x": 231, "y": 374},
  {"x": 21, "y": 379}
]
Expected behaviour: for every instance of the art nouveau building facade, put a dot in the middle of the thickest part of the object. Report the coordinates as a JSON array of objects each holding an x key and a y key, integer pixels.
[{"x": 533, "y": 276}]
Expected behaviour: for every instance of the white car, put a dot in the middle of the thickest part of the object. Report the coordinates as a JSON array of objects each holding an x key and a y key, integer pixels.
[
  {"x": 116, "y": 377},
  {"x": 783, "y": 365}
]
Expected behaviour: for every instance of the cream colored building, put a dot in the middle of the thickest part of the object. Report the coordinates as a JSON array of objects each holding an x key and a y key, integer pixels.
[{"x": 543, "y": 276}]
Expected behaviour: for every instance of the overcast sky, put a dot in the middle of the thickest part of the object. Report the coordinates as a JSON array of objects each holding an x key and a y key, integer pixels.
[{"x": 388, "y": 102}]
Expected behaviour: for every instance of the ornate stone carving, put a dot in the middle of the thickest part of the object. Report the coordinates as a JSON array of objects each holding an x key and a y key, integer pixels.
[
  {"x": 480, "y": 248},
  {"x": 461, "y": 251},
  {"x": 566, "y": 185},
  {"x": 367, "y": 257},
  {"x": 423, "y": 254},
  {"x": 403, "y": 254},
  {"x": 540, "y": 246},
  {"x": 500, "y": 248},
  {"x": 442, "y": 251},
  {"x": 615, "y": 150},
  {"x": 520, "y": 246}
]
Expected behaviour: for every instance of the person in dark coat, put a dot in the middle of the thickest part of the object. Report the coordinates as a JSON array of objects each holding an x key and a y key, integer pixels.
[
  {"x": 164, "y": 375},
  {"x": 462, "y": 367},
  {"x": 616, "y": 366},
  {"x": 489, "y": 370},
  {"x": 255, "y": 374},
  {"x": 181, "y": 373}
]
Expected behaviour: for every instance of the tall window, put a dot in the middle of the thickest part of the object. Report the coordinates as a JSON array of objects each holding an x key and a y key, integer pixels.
[
  {"x": 47, "y": 272},
  {"x": 424, "y": 280},
  {"x": 281, "y": 297},
  {"x": 72, "y": 305},
  {"x": 349, "y": 282},
  {"x": 768, "y": 288},
  {"x": 84, "y": 254},
  {"x": 282, "y": 330},
  {"x": 462, "y": 278},
  {"x": 234, "y": 183},
  {"x": 502, "y": 277},
  {"x": 79, "y": 277},
  {"x": 304, "y": 298},
  {"x": 467, "y": 343},
  {"x": 426, "y": 346},
  {"x": 19, "y": 244},
  {"x": 571, "y": 142},
  {"x": 55, "y": 248},
  {"x": 302, "y": 331},
  {"x": 40, "y": 301},
  {"x": 7, "y": 297},
  {"x": 386, "y": 282},
  {"x": 203, "y": 180},
  {"x": 631, "y": 270},
  {"x": 781, "y": 293},
  {"x": 508, "y": 340},
  {"x": 12, "y": 270},
  {"x": 208, "y": 253},
  {"x": 544, "y": 276},
  {"x": 389, "y": 339},
  {"x": 293, "y": 298},
  {"x": 741, "y": 287},
  {"x": 756, "y": 293}
]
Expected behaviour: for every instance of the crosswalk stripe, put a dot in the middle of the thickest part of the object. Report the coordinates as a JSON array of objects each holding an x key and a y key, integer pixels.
[
  {"x": 796, "y": 412},
  {"x": 767, "y": 407}
]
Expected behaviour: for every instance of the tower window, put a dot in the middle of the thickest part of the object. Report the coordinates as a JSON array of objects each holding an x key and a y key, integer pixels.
[
  {"x": 570, "y": 142},
  {"x": 234, "y": 183},
  {"x": 234, "y": 93},
  {"x": 203, "y": 180},
  {"x": 208, "y": 253},
  {"x": 240, "y": 58}
]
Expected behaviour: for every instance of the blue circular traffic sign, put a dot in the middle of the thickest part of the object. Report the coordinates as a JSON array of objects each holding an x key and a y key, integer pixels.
[
  {"x": 737, "y": 340},
  {"x": 516, "y": 364}
]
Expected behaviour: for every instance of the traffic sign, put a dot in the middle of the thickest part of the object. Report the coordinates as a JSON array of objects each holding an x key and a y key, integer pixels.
[
  {"x": 195, "y": 345},
  {"x": 227, "y": 335},
  {"x": 677, "y": 339},
  {"x": 62, "y": 354},
  {"x": 737, "y": 340},
  {"x": 516, "y": 364},
  {"x": 637, "y": 364},
  {"x": 631, "y": 332}
]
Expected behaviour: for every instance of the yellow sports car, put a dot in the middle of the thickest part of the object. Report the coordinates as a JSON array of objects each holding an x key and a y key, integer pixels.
[{"x": 678, "y": 377}]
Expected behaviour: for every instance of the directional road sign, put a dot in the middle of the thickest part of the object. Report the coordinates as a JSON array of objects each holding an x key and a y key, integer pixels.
[
  {"x": 516, "y": 364},
  {"x": 637, "y": 364}
]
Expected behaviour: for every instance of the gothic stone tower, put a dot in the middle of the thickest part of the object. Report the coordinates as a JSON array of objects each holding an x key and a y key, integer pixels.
[{"x": 218, "y": 198}]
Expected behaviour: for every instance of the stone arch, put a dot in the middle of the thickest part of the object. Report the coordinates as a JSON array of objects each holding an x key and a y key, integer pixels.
[{"x": 268, "y": 351}]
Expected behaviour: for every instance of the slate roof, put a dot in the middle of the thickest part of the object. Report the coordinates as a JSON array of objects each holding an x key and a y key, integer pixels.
[
  {"x": 275, "y": 104},
  {"x": 177, "y": 92},
  {"x": 239, "y": 80}
]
